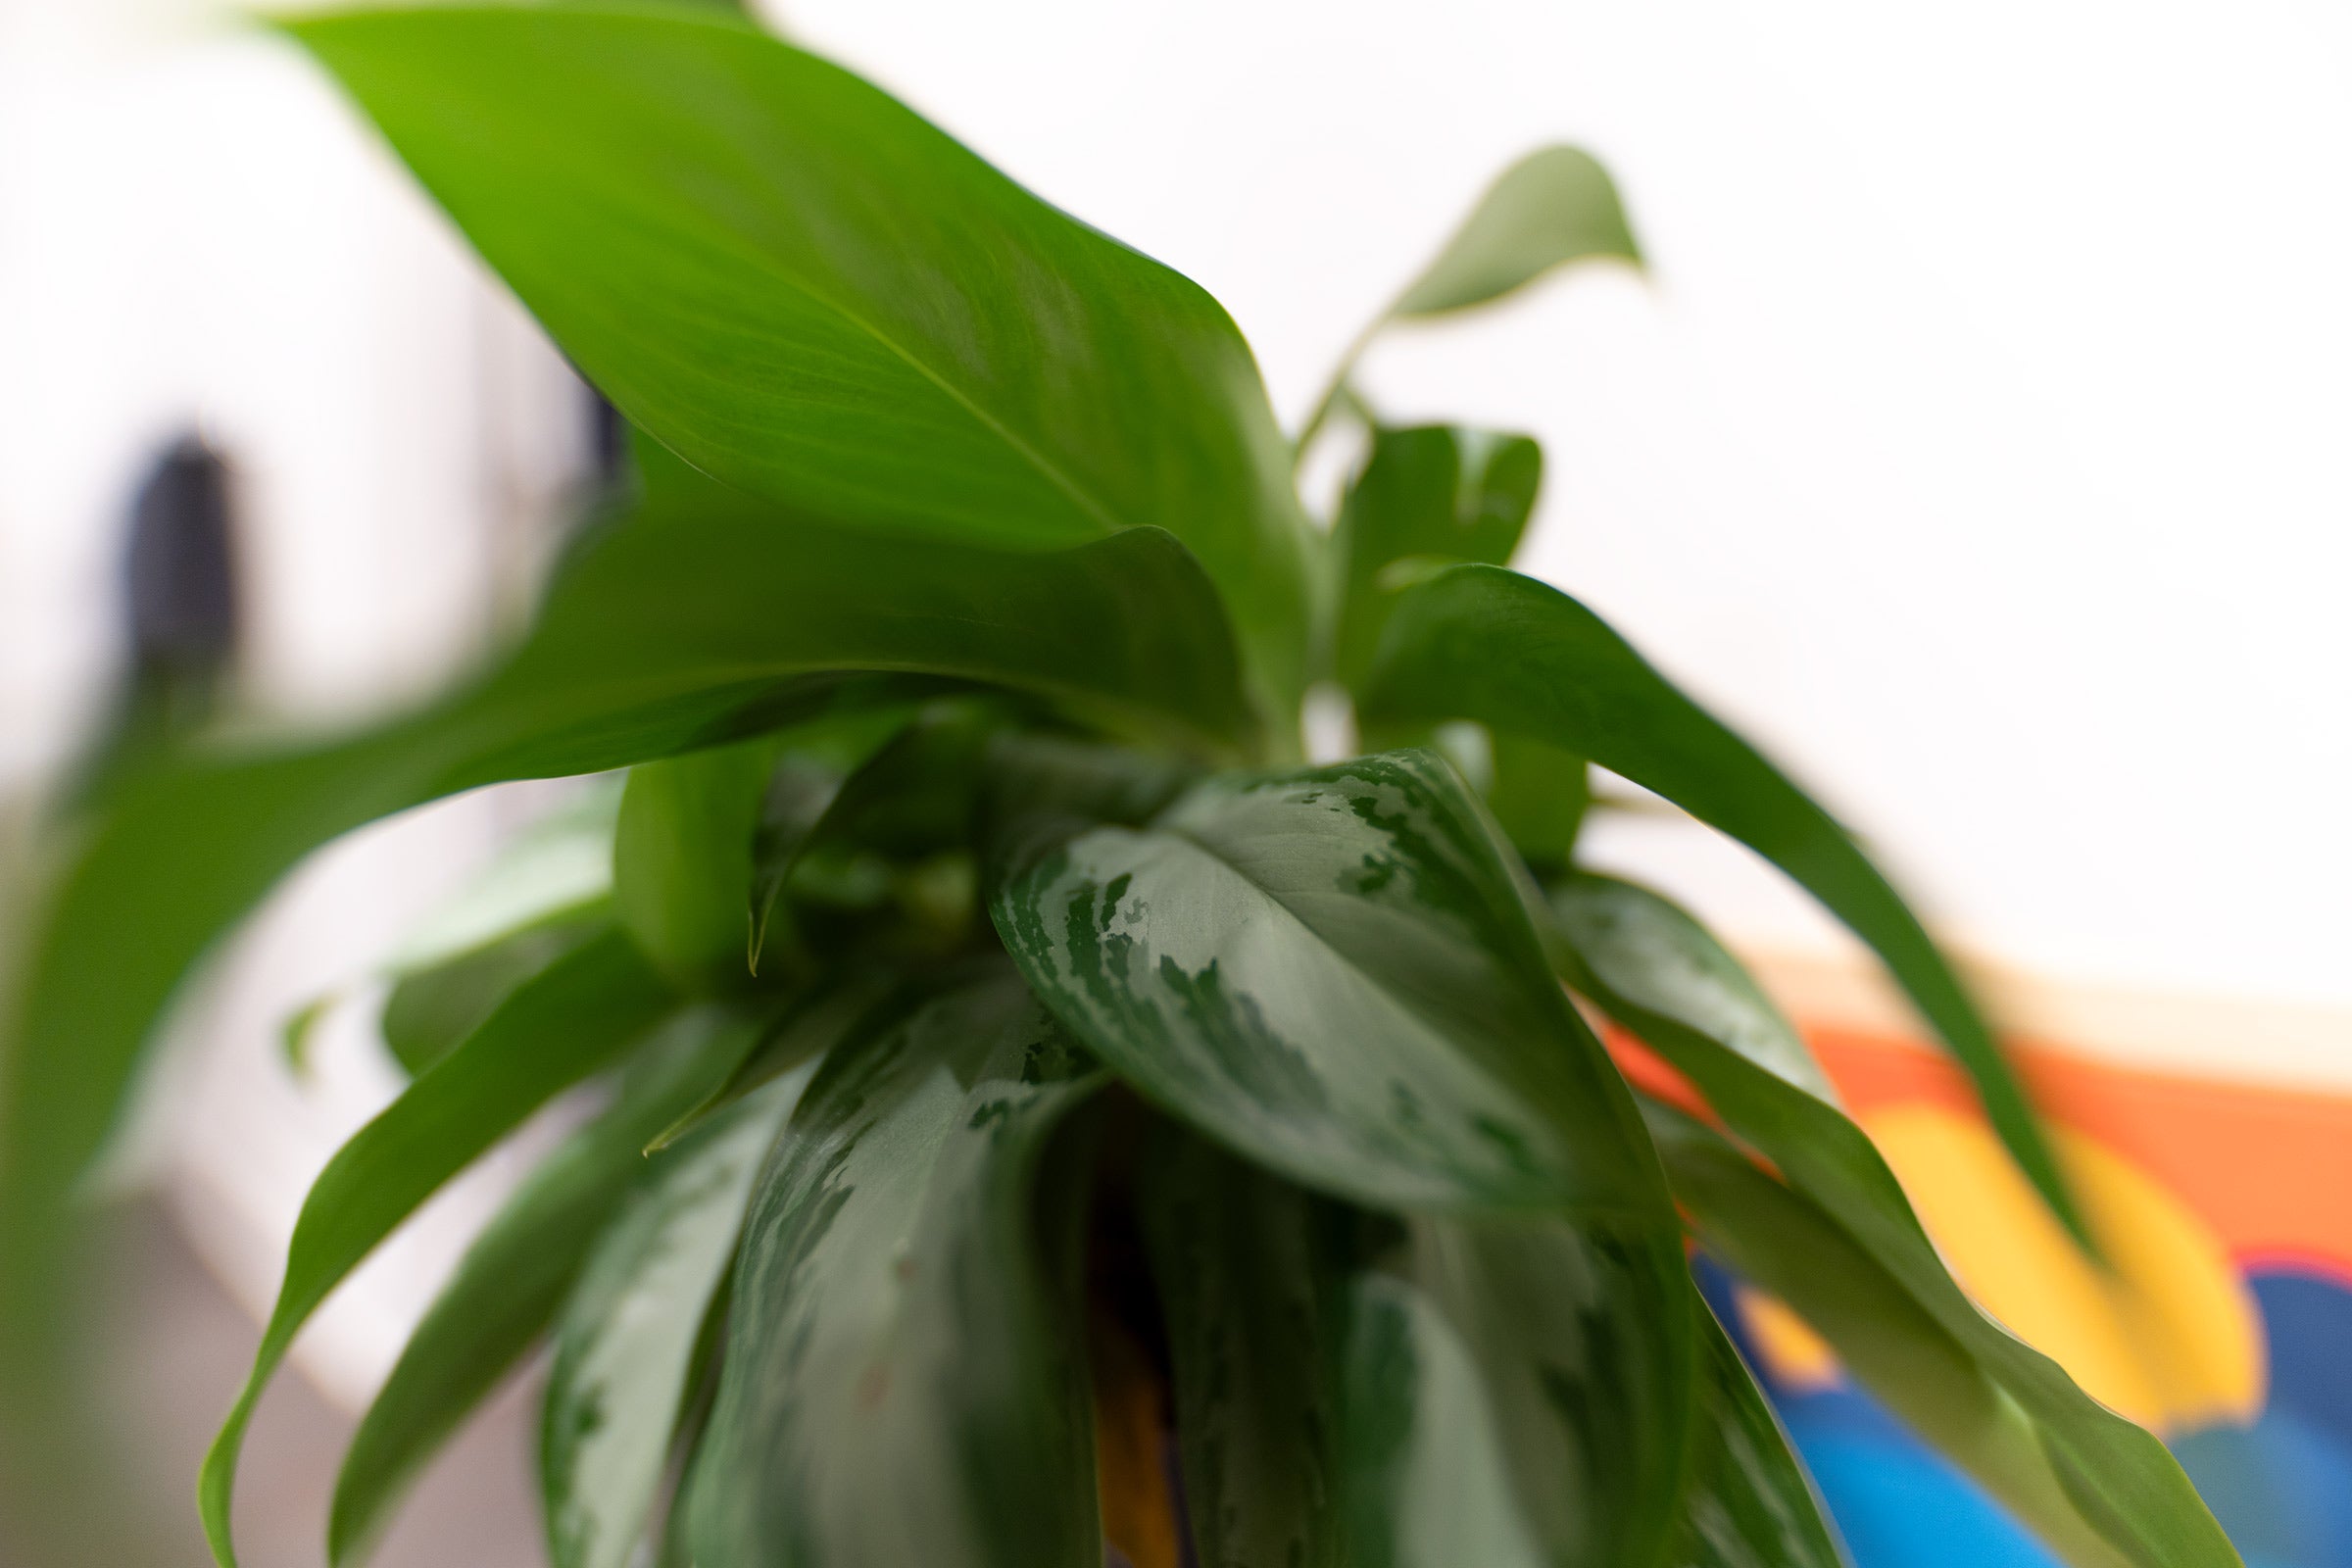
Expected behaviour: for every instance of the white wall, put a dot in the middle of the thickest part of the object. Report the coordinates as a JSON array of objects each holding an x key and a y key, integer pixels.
[{"x": 1980, "y": 443}]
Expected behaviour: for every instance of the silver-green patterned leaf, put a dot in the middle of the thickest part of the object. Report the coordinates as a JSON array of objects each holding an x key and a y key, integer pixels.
[
  {"x": 1418, "y": 1392},
  {"x": 1749, "y": 1503},
  {"x": 903, "y": 1380},
  {"x": 625, "y": 1346},
  {"x": 1332, "y": 971}
]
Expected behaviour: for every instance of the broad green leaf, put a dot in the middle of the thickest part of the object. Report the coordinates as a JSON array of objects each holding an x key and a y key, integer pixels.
[
  {"x": 702, "y": 616},
  {"x": 1517, "y": 1389},
  {"x": 559, "y": 1029},
  {"x": 429, "y": 1010},
  {"x": 2099, "y": 1488},
  {"x": 806, "y": 290},
  {"x": 1539, "y": 795},
  {"x": 1749, "y": 1503},
  {"x": 1042, "y": 789},
  {"x": 1658, "y": 971},
  {"x": 1435, "y": 493},
  {"x": 1332, "y": 972},
  {"x": 832, "y": 1007},
  {"x": 516, "y": 1275},
  {"x": 682, "y": 865},
  {"x": 1554, "y": 206},
  {"x": 1248, "y": 1269},
  {"x": 1481, "y": 643},
  {"x": 1427, "y": 1392},
  {"x": 625, "y": 1352},
  {"x": 904, "y": 1381}
]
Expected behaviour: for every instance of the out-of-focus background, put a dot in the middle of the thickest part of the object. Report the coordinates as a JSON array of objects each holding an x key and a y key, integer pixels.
[{"x": 1977, "y": 440}]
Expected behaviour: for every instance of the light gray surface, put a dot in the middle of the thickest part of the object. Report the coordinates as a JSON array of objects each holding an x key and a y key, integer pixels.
[{"x": 178, "y": 1347}]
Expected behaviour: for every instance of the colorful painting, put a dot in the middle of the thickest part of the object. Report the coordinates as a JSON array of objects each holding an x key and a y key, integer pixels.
[{"x": 2226, "y": 1324}]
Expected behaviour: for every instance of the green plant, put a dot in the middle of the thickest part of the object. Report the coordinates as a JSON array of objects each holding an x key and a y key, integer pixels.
[{"x": 996, "y": 1017}]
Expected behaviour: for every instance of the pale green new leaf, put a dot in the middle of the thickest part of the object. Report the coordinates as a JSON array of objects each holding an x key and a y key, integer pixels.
[
  {"x": 903, "y": 1380},
  {"x": 1433, "y": 494},
  {"x": 516, "y": 1275},
  {"x": 1486, "y": 644},
  {"x": 1554, "y": 206},
  {"x": 806, "y": 290},
  {"x": 624, "y": 1351},
  {"x": 557, "y": 1030}
]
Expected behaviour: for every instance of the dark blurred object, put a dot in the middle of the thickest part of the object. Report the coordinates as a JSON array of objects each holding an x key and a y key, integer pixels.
[{"x": 181, "y": 607}]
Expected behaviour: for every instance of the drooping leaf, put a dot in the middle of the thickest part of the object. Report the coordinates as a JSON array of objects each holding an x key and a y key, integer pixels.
[
  {"x": 1842, "y": 1244},
  {"x": 1486, "y": 644},
  {"x": 682, "y": 859},
  {"x": 2099, "y": 1490},
  {"x": 1350, "y": 1390},
  {"x": 1434, "y": 493},
  {"x": 1656, "y": 970},
  {"x": 1554, "y": 206},
  {"x": 516, "y": 1275},
  {"x": 624, "y": 1354},
  {"x": 554, "y": 1032},
  {"x": 702, "y": 616},
  {"x": 1749, "y": 1503},
  {"x": 1332, "y": 972},
  {"x": 808, "y": 291},
  {"x": 902, "y": 1380},
  {"x": 429, "y": 1010}
]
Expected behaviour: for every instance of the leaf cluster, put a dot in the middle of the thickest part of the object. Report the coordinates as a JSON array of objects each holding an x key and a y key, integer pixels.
[{"x": 1014, "y": 1061}]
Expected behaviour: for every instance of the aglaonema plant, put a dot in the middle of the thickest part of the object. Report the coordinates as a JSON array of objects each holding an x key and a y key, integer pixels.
[{"x": 1037, "y": 1107}]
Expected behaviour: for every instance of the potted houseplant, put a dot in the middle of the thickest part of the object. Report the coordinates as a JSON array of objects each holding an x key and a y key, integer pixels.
[{"x": 1038, "y": 1106}]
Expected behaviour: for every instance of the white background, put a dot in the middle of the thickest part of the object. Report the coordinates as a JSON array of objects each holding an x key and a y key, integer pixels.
[{"x": 1978, "y": 442}]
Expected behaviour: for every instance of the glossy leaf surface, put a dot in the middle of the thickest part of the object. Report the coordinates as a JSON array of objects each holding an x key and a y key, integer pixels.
[
  {"x": 554, "y": 1032},
  {"x": 702, "y": 615},
  {"x": 1486, "y": 644},
  {"x": 516, "y": 1275},
  {"x": 1332, "y": 971},
  {"x": 903, "y": 1380},
  {"x": 1433, "y": 494},
  {"x": 808, "y": 291},
  {"x": 1430, "y": 1391},
  {"x": 625, "y": 1353},
  {"x": 1840, "y": 1244},
  {"x": 1555, "y": 206}
]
